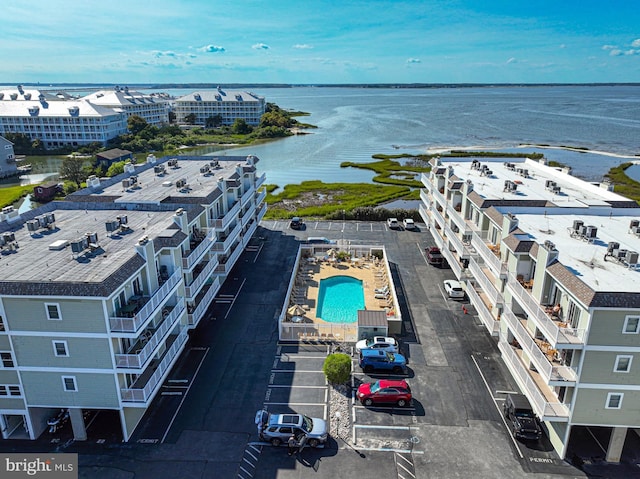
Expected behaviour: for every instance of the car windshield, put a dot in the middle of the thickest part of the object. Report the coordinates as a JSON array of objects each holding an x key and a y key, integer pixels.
[
  {"x": 524, "y": 413},
  {"x": 370, "y": 342},
  {"x": 375, "y": 387},
  {"x": 307, "y": 423}
]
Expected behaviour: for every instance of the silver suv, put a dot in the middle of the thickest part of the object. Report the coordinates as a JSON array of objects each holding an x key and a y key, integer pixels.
[{"x": 278, "y": 428}]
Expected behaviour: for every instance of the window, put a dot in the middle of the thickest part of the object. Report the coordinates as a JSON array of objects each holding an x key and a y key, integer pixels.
[
  {"x": 8, "y": 390},
  {"x": 7, "y": 360},
  {"x": 69, "y": 383},
  {"x": 53, "y": 311},
  {"x": 60, "y": 348},
  {"x": 614, "y": 400},
  {"x": 623, "y": 364},
  {"x": 1, "y": 324},
  {"x": 631, "y": 325}
]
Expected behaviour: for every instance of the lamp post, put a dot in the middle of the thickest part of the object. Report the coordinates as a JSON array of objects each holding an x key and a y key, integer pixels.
[{"x": 338, "y": 416}]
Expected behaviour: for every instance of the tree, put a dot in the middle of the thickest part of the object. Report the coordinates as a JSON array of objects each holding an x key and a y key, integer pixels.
[
  {"x": 191, "y": 118},
  {"x": 72, "y": 169},
  {"x": 115, "y": 169},
  {"x": 337, "y": 368},
  {"x": 172, "y": 117},
  {"x": 213, "y": 121},
  {"x": 135, "y": 124},
  {"x": 240, "y": 127}
]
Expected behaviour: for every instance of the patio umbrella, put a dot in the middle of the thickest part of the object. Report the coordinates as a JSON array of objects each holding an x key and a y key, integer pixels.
[
  {"x": 331, "y": 252},
  {"x": 296, "y": 310}
]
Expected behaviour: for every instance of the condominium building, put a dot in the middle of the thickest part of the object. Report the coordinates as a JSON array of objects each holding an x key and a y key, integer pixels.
[
  {"x": 98, "y": 292},
  {"x": 550, "y": 264},
  {"x": 7, "y": 158},
  {"x": 60, "y": 123},
  {"x": 153, "y": 109},
  {"x": 229, "y": 104}
]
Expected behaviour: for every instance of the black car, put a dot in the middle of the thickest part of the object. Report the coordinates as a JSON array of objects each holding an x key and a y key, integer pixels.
[
  {"x": 296, "y": 223},
  {"x": 519, "y": 413}
]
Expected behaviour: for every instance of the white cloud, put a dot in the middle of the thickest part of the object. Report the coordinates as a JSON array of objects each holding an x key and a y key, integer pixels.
[
  {"x": 609, "y": 47},
  {"x": 631, "y": 52},
  {"x": 303, "y": 46},
  {"x": 511, "y": 60},
  {"x": 413, "y": 60},
  {"x": 260, "y": 46},
  {"x": 159, "y": 54},
  {"x": 211, "y": 49},
  {"x": 636, "y": 43},
  {"x": 616, "y": 52}
]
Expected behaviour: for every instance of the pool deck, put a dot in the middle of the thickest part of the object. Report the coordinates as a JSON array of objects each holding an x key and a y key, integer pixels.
[{"x": 307, "y": 283}]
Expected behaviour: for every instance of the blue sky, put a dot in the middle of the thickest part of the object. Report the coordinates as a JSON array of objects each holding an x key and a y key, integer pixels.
[{"x": 320, "y": 41}]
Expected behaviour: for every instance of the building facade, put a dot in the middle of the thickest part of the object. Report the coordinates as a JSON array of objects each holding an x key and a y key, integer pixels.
[
  {"x": 550, "y": 264},
  {"x": 99, "y": 291},
  {"x": 8, "y": 165},
  {"x": 229, "y": 104},
  {"x": 153, "y": 109}
]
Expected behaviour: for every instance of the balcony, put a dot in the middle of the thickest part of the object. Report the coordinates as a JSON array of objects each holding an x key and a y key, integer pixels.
[
  {"x": 546, "y": 363},
  {"x": 462, "y": 250},
  {"x": 454, "y": 264},
  {"x": 227, "y": 219},
  {"x": 144, "y": 313},
  {"x": 556, "y": 332},
  {"x": 249, "y": 233},
  {"x": 488, "y": 254},
  {"x": 261, "y": 196},
  {"x": 457, "y": 218},
  {"x": 485, "y": 282},
  {"x": 144, "y": 388},
  {"x": 203, "y": 303},
  {"x": 223, "y": 245},
  {"x": 424, "y": 196},
  {"x": 200, "y": 277},
  {"x": 260, "y": 180},
  {"x": 137, "y": 360},
  {"x": 438, "y": 217},
  {"x": 195, "y": 255},
  {"x": 224, "y": 267},
  {"x": 546, "y": 405},
  {"x": 248, "y": 215},
  {"x": 439, "y": 197},
  {"x": 247, "y": 196},
  {"x": 492, "y": 324}
]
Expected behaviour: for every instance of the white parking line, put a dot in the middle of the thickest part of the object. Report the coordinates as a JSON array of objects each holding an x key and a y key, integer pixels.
[
  {"x": 235, "y": 297},
  {"x": 374, "y": 426},
  {"x": 399, "y": 408},
  {"x": 293, "y": 387},
  {"x": 295, "y": 403},
  {"x": 495, "y": 403},
  {"x": 295, "y": 371}
]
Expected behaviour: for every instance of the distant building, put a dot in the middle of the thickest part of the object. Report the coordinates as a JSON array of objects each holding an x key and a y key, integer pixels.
[
  {"x": 109, "y": 157},
  {"x": 46, "y": 192},
  {"x": 229, "y": 104},
  {"x": 7, "y": 158},
  {"x": 153, "y": 109}
]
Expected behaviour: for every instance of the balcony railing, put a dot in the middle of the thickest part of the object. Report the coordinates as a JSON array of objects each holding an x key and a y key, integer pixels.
[
  {"x": 247, "y": 196},
  {"x": 248, "y": 215},
  {"x": 424, "y": 196},
  {"x": 456, "y": 217},
  {"x": 225, "y": 268},
  {"x": 489, "y": 257},
  {"x": 261, "y": 196},
  {"x": 196, "y": 254},
  {"x": 455, "y": 265},
  {"x": 552, "y": 331},
  {"x": 137, "y": 360},
  {"x": 224, "y": 245},
  {"x": 547, "y": 411},
  {"x": 492, "y": 324},
  {"x": 132, "y": 325},
  {"x": 260, "y": 180},
  {"x": 221, "y": 224},
  {"x": 485, "y": 283},
  {"x": 548, "y": 371},
  {"x": 192, "y": 290},
  {"x": 457, "y": 242},
  {"x": 438, "y": 217},
  {"x": 439, "y": 197},
  {"x": 196, "y": 316},
  {"x": 146, "y": 393},
  {"x": 247, "y": 236}
]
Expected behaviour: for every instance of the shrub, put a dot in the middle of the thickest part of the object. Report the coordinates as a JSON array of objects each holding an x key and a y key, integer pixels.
[{"x": 337, "y": 368}]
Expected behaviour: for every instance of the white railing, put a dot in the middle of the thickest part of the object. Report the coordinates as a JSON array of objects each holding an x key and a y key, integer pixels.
[
  {"x": 546, "y": 369},
  {"x": 225, "y": 268},
  {"x": 137, "y": 360},
  {"x": 437, "y": 238},
  {"x": 261, "y": 213},
  {"x": 260, "y": 180},
  {"x": 246, "y": 238},
  {"x": 221, "y": 224},
  {"x": 457, "y": 242},
  {"x": 223, "y": 246},
  {"x": 196, "y": 254},
  {"x": 549, "y": 328},
  {"x": 146, "y": 393},
  {"x": 261, "y": 196},
  {"x": 247, "y": 196},
  {"x": 192, "y": 290},
  {"x": 488, "y": 256},
  {"x": 438, "y": 216},
  {"x": 248, "y": 215},
  {"x": 492, "y": 324},
  {"x": 456, "y": 217},
  {"x": 424, "y": 178},
  {"x": 424, "y": 196},
  {"x": 548, "y": 411},
  {"x": 485, "y": 283},
  {"x": 203, "y": 305},
  {"x": 454, "y": 264},
  {"x": 131, "y": 325},
  {"x": 439, "y": 197},
  {"x": 318, "y": 332},
  {"x": 424, "y": 213}
]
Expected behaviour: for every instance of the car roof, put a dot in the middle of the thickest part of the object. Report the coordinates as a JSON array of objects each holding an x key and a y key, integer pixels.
[
  {"x": 282, "y": 419},
  {"x": 377, "y": 352},
  {"x": 383, "y": 339},
  {"x": 390, "y": 383}
]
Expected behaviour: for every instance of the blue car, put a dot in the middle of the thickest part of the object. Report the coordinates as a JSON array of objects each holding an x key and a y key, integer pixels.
[{"x": 374, "y": 359}]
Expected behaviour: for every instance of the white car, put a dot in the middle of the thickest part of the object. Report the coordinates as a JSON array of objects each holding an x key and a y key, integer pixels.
[
  {"x": 380, "y": 343},
  {"x": 453, "y": 288},
  {"x": 408, "y": 224},
  {"x": 393, "y": 223}
]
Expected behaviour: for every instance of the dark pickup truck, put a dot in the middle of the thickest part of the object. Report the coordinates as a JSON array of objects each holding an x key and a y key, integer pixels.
[
  {"x": 524, "y": 423},
  {"x": 434, "y": 257}
]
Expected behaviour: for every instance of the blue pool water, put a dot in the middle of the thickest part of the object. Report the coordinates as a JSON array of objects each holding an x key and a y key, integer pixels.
[{"x": 339, "y": 299}]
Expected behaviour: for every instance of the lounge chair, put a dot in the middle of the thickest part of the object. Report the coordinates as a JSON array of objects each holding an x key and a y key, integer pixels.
[{"x": 382, "y": 290}]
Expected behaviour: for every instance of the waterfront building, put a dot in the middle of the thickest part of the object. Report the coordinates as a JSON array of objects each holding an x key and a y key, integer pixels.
[
  {"x": 98, "y": 292},
  {"x": 59, "y": 123},
  {"x": 229, "y": 104},
  {"x": 152, "y": 108},
  {"x": 550, "y": 264},
  {"x": 7, "y": 158}
]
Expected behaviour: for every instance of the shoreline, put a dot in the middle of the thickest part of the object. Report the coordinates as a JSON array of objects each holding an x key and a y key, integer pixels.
[{"x": 440, "y": 150}]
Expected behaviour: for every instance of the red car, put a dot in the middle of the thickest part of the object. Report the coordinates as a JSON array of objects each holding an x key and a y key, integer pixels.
[{"x": 385, "y": 391}]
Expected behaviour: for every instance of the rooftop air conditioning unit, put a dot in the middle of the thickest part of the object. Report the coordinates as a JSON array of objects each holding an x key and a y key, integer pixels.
[
  {"x": 577, "y": 225},
  {"x": 634, "y": 223},
  {"x": 33, "y": 225},
  {"x": 126, "y": 183},
  {"x": 122, "y": 219},
  {"x": 622, "y": 253},
  {"x": 631, "y": 257},
  {"x": 612, "y": 248},
  {"x": 591, "y": 232},
  {"x": 112, "y": 226}
]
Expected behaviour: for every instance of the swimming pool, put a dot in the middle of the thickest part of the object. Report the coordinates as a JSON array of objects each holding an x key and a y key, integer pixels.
[{"x": 339, "y": 299}]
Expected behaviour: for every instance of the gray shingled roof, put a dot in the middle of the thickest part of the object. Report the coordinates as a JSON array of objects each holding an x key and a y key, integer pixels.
[{"x": 372, "y": 318}]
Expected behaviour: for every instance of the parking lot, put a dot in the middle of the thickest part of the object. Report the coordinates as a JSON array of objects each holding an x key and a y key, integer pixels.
[{"x": 202, "y": 423}]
